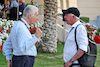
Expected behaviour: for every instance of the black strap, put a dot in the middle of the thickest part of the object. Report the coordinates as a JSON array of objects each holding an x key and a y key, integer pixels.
[
  {"x": 75, "y": 36},
  {"x": 24, "y": 56}
]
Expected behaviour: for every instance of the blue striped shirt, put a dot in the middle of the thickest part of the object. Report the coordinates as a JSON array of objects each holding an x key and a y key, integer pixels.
[{"x": 20, "y": 40}]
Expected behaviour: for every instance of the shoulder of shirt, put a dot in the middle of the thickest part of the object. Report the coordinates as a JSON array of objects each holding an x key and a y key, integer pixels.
[
  {"x": 81, "y": 27},
  {"x": 19, "y": 24}
]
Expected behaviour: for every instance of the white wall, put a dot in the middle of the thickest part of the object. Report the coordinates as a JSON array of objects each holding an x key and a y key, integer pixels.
[{"x": 89, "y": 8}]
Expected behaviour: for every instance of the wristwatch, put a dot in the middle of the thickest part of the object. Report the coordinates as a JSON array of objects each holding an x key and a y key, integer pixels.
[{"x": 71, "y": 60}]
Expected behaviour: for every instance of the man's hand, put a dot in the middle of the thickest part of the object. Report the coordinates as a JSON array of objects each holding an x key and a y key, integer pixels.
[
  {"x": 38, "y": 32},
  {"x": 9, "y": 63}
]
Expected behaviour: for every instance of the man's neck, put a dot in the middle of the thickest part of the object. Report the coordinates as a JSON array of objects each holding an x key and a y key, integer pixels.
[
  {"x": 26, "y": 20},
  {"x": 75, "y": 21}
]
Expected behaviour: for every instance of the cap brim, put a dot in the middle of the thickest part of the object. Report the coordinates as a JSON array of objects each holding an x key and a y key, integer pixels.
[{"x": 65, "y": 11}]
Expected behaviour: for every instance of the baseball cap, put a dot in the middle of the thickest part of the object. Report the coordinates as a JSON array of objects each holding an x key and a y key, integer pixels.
[{"x": 72, "y": 10}]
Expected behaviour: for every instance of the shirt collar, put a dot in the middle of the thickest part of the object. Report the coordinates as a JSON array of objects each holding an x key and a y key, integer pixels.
[
  {"x": 74, "y": 25},
  {"x": 25, "y": 22}
]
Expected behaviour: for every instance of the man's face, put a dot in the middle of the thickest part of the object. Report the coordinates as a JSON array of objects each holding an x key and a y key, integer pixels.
[
  {"x": 34, "y": 18},
  {"x": 69, "y": 19}
]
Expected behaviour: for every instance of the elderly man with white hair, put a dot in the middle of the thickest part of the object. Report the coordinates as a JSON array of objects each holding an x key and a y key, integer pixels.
[{"x": 21, "y": 41}]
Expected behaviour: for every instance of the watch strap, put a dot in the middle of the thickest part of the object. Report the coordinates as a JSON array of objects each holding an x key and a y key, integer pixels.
[{"x": 71, "y": 60}]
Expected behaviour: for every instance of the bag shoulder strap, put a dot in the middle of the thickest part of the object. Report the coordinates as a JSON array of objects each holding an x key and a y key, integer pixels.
[{"x": 75, "y": 35}]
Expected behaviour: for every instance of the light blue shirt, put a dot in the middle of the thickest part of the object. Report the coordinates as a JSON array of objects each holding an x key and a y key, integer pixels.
[
  {"x": 13, "y": 4},
  {"x": 20, "y": 40}
]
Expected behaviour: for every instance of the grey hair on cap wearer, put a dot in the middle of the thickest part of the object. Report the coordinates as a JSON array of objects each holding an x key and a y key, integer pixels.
[
  {"x": 29, "y": 9},
  {"x": 75, "y": 16}
]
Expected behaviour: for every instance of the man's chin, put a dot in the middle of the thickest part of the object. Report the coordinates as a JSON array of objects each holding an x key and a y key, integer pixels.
[{"x": 68, "y": 23}]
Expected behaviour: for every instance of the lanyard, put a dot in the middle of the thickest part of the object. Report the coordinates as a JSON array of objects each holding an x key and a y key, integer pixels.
[{"x": 25, "y": 24}]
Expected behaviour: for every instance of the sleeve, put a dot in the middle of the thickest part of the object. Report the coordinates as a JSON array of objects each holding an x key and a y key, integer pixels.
[
  {"x": 7, "y": 48},
  {"x": 0, "y": 8},
  {"x": 82, "y": 38},
  {"x": 25, "y": 40}
]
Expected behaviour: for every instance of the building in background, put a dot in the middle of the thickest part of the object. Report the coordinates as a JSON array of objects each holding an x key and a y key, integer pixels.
[{"x": 88, "y": 8}]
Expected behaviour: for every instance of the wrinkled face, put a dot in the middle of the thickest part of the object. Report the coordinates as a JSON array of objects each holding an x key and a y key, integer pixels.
[
  {"x": 69, "y": 19},
  {"x": 34, "y": 18}
]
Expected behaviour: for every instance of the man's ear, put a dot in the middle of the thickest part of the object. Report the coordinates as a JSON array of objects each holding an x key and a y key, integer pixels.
[
  {"x": 29, "y": 16},
  {"x": 74, "y": 16}
]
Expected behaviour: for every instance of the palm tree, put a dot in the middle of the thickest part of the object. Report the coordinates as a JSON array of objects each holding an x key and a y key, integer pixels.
[{"x": 49, "y": 40}]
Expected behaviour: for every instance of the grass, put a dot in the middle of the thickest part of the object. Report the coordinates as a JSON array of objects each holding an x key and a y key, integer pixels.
[
  {"x": 48, "y": 59},
  {"x": 3, "y": 62},
  {"x": 97, "y": 63}
]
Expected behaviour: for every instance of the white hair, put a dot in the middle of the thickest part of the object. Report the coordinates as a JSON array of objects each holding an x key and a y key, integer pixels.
[
  {"x": 29, "y": 9},
  {"x": 75, "y": 16}
]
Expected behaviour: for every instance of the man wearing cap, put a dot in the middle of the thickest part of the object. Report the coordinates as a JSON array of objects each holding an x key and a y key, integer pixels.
[{"x": 70, "y": 53}]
